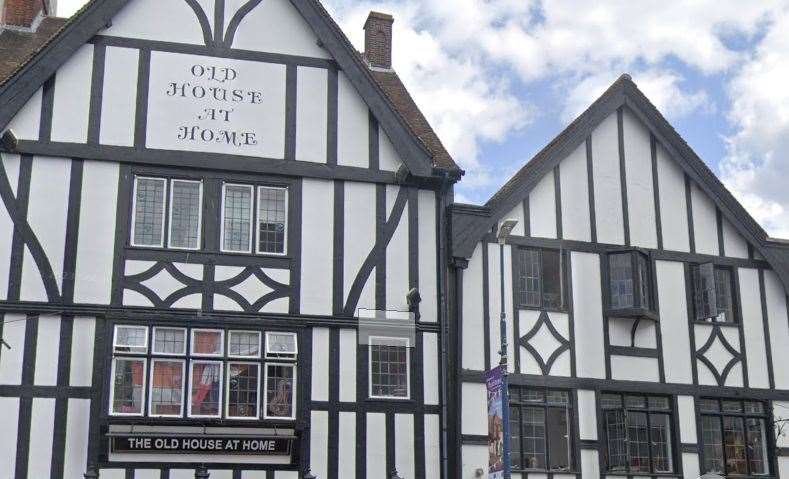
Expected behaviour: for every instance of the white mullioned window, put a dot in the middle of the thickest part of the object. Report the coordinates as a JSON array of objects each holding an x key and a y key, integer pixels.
[
  {"x": 202, "y": 373},
  {"x": 179, "y": 201},
  {"x": 254, "y": 214},
  {"x": 389, "y": 368},
  {"x": 237, "y": 206},
  {"x": 272, "y": 220}
]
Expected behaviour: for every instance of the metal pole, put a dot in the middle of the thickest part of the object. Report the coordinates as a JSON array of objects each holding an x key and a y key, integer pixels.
[{"x": 505, "y": 394}]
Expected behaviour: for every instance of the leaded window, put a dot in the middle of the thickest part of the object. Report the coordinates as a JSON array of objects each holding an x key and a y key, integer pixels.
[
  {"x": 540, "y": 430},
  {"x": 630, "y": 283},
  {"x": 713, "y": 293},
  {"x": 182, "y": 206},
  {"x": 638, "y": 433},
  {"x": 735, "y": 437},
  {"x": 540, "y": 278},
  {"x": 263, "y": 206},
  {"x": 237, "y": 218},
  {"x": 201, "y": 373},
  {"x": 272, "y": 218},
  {"x": 389, "y": 368}
]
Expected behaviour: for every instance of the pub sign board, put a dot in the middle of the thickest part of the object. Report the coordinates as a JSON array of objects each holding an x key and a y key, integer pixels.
[{"x": 201, "y": 444}]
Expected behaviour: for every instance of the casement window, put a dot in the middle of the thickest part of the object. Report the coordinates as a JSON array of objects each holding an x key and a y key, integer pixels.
[
  {"x": 540, "y": 278},
  {"x": 638, "y": 433},
  {"x": 390, "y": 368},
  {"x": 160, "y": 201},
  {"x": 630, "y": 283},
  {"x": 735, "y": 437},
  {"x": 713, "y": 293},
  {"x": 203, "y": 373},
  {"x": 254, "y": 215},
  {"x": 540, "y": 430}
]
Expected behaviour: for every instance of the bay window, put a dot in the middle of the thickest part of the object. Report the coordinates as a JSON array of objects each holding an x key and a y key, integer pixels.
[
  {"x": 203, "y": 373},
  {"x": 735, "y": 437},
  {"x": 713, "y": 293},
  {"x": 638, "y": 433},
  {"x": 630, "y": 284}
]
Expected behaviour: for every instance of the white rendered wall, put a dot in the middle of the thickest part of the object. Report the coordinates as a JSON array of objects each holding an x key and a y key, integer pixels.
[
  {"x": 640, "y": 192},
  {"x": 673, "y": 208},
  {"x": 607, "y": 182},
  {"x": 574, "y": 180}
]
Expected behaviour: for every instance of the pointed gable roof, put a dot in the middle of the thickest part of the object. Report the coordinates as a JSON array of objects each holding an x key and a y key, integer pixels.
[
  {"x": 477, "y": 221},
  {"x": 397, "y": 114}
]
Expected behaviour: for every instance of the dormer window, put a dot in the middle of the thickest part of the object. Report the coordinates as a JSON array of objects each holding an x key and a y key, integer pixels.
[{"x": 630, "y": 283}]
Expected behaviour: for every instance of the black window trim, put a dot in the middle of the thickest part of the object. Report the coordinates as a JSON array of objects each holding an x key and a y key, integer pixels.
[
  {"x": 769, "y": 425},
  {"x": 676, "y": 451},
  {"x": 516, "y": 267},
  {"x": 637, "y": 310},
  {"x": 734, "y": 292}
]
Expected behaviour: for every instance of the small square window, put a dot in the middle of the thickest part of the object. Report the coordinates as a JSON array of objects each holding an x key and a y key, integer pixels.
[
  {"x": 131, "y": 339},
  {"x": 389, "y": 368},
  {"x": 207, "y": 342},
  {"x": 244, "y": 344},
  {"x": 169, "y": 341},
  {"x": 281, "y": 345}
]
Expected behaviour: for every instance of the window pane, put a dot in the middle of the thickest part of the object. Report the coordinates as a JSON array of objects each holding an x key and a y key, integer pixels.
[
  {"x": 611, "y": 401},
  {"x": 149, "y": 212},
  {"x": 712, "y": 441},
  {"x": 185, "y": 214},
  {"x": 389, "y": 371},
  {"x": 734, "y": 442},
  {"x": 128, "y": 386},
  {"x": 621, "y": 273},
  {"x": 169, "y": 341},
  {"x": 659, "y": 403},
  {"x": 638, "y": 438},
  {"x": 242, "y": 384},
  {"x": 723, "y": 293},
  {"x": 515, "y": 437},
  {"x": 639, "y": 402},
  {"x": 131, "y": 339},
  {"x": 533, "y": 395},
  {"x": 533, "y": 438},
  {"x": 279, "y": 391},
  {"x": 281, "y": 344},
  {"x": 167, "y": 379},
  {"x": 731, "y": 406},
  {"x": 206, "y": 388},
  {"x": 708, "y": 405},
  {"x": 616, "y": 433},
  {"x": 644, "y": 281},
  {"x": 558, "y": 397},
  {"x": 757, "y": 447},
  {"x": 660, "y": 434},
  {"x": 237, "y": 222},
  {"x": 529, "y": 280},
  {"x": 207, "y": 343},
  {"x": 244, "y": 343},
  {"x": 704, "y": 301},
  {"x": 558, "y": 439},
  {"x": 754, "y": 407},
  {"x": 552, "y": 279},
  {"x": 271, "y": 220}
]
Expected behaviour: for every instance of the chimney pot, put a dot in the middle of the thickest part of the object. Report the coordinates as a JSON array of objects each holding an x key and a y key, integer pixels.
[
  {"x": 22, "y": 13},
  {"x": 378, "y": 40}
]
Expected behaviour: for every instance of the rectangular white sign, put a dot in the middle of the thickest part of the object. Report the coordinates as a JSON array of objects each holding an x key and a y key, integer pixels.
[{"x": 216, "y": 105}]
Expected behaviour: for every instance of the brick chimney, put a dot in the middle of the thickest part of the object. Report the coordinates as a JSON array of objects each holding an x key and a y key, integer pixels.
[
  {"x": 378, "y": 40},
  {"x": 22, "y": 13}
]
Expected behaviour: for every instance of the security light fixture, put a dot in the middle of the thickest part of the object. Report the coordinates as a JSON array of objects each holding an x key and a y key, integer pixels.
[
  {"x": 505, "y": 230},
  {"x": 413, "y": 298}
]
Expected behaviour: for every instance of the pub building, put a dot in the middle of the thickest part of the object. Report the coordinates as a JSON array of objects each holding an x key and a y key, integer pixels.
[{"x": 231, "y": 251}]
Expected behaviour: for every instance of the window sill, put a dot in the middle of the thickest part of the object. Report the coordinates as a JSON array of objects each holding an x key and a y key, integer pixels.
[
  {"x": 633, "y": 313},
  {"x": 725, "y": 325},
  {"x": 536, "y": 308},
  {"x": 203, "y": 251},
  {"x": 545, "y": 471},
  {"x": 198, "y": 422}
]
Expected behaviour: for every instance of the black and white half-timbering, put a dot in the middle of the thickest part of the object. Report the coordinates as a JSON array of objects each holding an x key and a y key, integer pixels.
[
  {"x": 222, "y": 240},
  {"x": 228, "y": 246},
  {"x": 647, "y": 311}
]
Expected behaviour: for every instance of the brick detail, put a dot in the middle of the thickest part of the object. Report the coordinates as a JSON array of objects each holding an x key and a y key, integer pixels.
[
  {"x": 21, "y": 13},
  {"x": 378, "y": 40}
]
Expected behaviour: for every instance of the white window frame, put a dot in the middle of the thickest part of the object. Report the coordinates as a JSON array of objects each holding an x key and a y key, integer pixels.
[
  {"x": 115, "y": 340},
  {"x": 240, "y": 356},
  {"x": 221, "y": 386},
  {"x": 170, "y": 214},
  {"x": 159, "y": 353},
  {"x": 144, "y": 387},
  {"x": 251, "y": 218},
  {"x": 293, "y": 403},
  {"x": 257, "y": 220},
  {"x": 407, "y": 343},
  {"x": 192, "y": 352},
  {"x": 227, "y": 392},
  {"x": 150, "y": 386},
  {"x": 134, "y": 211},
  {"x": 279, "y": 355}
]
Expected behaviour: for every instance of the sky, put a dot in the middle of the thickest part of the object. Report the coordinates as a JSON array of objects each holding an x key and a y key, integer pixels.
[{"x": 499, "y": 79}]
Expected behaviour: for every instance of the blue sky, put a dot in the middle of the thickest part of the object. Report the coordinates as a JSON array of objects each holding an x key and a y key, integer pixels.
[{"x": 498, "y": 79}]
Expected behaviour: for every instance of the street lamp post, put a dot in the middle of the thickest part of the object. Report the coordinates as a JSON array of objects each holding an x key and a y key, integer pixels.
[{"x": 503, "y": 234}]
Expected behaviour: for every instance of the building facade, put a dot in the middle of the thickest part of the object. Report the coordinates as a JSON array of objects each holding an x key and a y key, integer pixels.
[
  {"x": 218, "y": 222},
  {"x": 229, "y": 246},
  {"x": 647, "y": 316}
]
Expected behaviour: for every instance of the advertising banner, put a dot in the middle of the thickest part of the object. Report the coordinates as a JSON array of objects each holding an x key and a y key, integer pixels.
[{"x": 495, "y": 385}]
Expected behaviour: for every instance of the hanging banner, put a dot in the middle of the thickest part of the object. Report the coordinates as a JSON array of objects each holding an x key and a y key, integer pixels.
[{"x": 494, "y": 380}]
